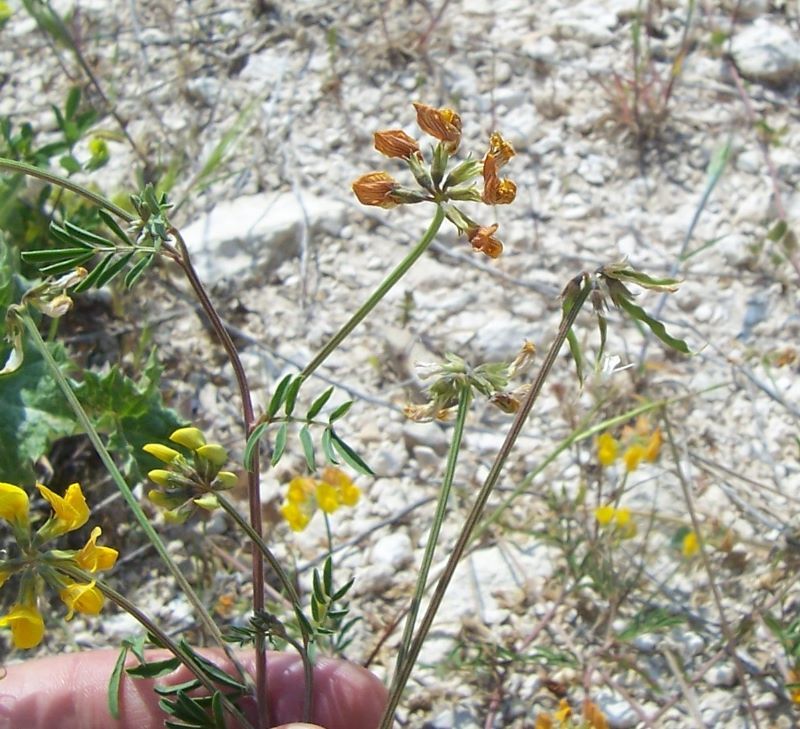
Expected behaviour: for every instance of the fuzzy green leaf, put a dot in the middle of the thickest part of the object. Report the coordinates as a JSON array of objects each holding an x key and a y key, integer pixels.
[
  {"x": 291, "y": 395},
  {"x": 327, "y": 446},
  {"x": 111, "y": 222},
  {"x": 280, "y": 444},
  {"x": 318, "y": 404},
  {"x": 350, "y": 456},
  {"x": 340, "y": 412},
  {"x": 308, "y": 448},
  {"x": 636, "y": 312},
  {"x": 252, "y": 444},
  {"x": 278, "y": 396},
  {"x": 154, "y": 669},
  {"x": 666, "y": 285},
  {"x": 115, "y": 682}
]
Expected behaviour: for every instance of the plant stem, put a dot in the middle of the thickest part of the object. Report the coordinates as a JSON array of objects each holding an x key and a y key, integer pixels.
[
  {"x": 258, "y": 541},
  {"x": 121, "y": 484},
  {"x": 378, "y": 294},
  {"x": 253, "y": 474},
  {"x": 163, "y": 638},
  {"x": 477, "y": 509},
  {"x": 441, "y": 507},
  {"x": 26, "y": 169}
]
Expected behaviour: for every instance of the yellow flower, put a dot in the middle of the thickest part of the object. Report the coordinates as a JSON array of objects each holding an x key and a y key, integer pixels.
[
  {"x": 604, "y": 514},
  {"x": 190, "y": 437},
  {"x": 347, "y": 492},
  {"x": 690, "y": 545},
  {"x": 483, "y": 240},
  {"x": 301, "y": 490},
  {"x": 93, "y": 558},
  {"x": 395, "y": 143},
  {"x": 13, "y": 503},
  {"x": 70, "y": 510},
  {"x": 82, "y": 598},
  {"x": 564, "y": 712},
  {"x": 633, "y": 456},
  {"x": 653, "y": 447},
  {"x": 622, "y": 516},
  {"x": 607, "y": 449},
  {"x": 163, "y": 453},
  {"x": 296, "y": 514},
  {"x": 27, "y": 626},
  {"x": 377, "y": 188},
  {"x": 160, "y": 476},
  {"x": 327, "y": 497},
  {"x": 444, "y": 124}
]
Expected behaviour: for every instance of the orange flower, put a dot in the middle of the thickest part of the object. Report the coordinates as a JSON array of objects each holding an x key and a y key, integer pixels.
[
  {"x": 444, "y": 124},
  {"x": 501, "y": 150},
  {"x": 395, "y": 143},
  {"x": 495, "y": 190},
  {"x": 376, "y": 188},
  {"x": 483, "y": 240}
]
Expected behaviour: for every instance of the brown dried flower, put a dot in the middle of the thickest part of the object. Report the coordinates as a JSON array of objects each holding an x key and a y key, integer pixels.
[
  {"x": 395, "y": 143},
  {"x": 495, "y": 190},
  {"x": 483, "y": 240},
  {"x": 444, "y": 124},
  {"x": 376, "y": 188}
]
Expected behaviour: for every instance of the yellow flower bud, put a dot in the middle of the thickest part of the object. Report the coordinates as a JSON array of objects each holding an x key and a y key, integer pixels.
[
  {"x": 163, "y": 453},
  {"x": 159, "y": 476},
  {"x": 208, "y": 502},
  {"x": 690, "y": 545},
  {"x": 226, "y": 480},
  {"x": 13, "y": 503},
  {"x": 607, "y": 448},
  {"x": 191, "y": 438},
  {"x": 214, "y": 453}
]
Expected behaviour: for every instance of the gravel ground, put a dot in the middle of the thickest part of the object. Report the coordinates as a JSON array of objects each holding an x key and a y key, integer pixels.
[{"x": 288, "y": 254}]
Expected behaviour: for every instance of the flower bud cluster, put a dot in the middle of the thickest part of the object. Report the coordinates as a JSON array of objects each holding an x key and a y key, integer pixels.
[
  {"x": 188, "y": 481},
  {"x": 435, "y": 185},
  {"x": 32, "y": 566}
]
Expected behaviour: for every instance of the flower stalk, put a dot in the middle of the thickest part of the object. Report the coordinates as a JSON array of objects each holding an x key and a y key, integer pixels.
[{"x": 577, "y": 299}]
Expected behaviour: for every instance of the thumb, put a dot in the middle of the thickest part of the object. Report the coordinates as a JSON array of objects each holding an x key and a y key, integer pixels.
[{"x": 296, "y": 725}]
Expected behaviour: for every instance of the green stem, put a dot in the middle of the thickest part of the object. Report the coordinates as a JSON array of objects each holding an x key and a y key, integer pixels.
[
  {"x": 26, "y": 169},
  {"x": 163, "y": 638},
  {"x": 480, "y": 502},
  {"x": 441, "y": 507},
  {"x": 378, "y": 294},
  {"x": 124, "y": 489}
]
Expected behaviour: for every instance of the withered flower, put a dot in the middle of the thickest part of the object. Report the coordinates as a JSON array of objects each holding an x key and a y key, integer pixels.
[
  {"x": 377, "y": 188},
  {"x": 500, "y": 149},
  {"x": 495, "y": 190},
  {"x": 396, "y": 143},
  {"x": 444, "y": 124},
  {"x": 483, "y": 240}
]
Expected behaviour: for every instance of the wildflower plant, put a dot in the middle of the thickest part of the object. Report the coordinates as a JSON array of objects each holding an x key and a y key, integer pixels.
[
  {"x": 35, "y": 563},
  {"x": 194, "y": 474}
]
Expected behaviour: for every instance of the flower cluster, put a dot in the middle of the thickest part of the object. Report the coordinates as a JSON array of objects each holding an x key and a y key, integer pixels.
[
  {"x": 305, "y": 495},
  {"x": 640, "y": 444},
  {"x": 491, "y": 379},
  {"x": 188, "y": 481},
  {"x": 564, "y": 718},
  {"x": 382, "y": 190},
  {"x": 35, "y": 566},
  {"x": 616, "y": 518}
]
